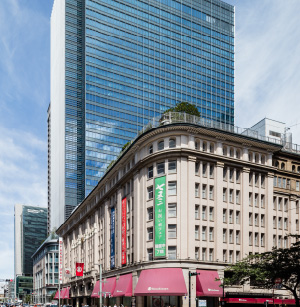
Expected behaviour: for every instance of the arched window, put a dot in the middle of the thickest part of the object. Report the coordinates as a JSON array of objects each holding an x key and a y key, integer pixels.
[
  {"x": 224, "y": 151},
  {"x": 212, "y": 147},
  {"x": 282, "y": 165},
  {"x": 172, "y": 143},
  {"x": 231, "y": 152},
  {"x": 204, "y": 146},
  {"x": 298, "y": 169},
  {"x": 263, "y": 159},
  {"x": 250, "y": 156},
  {"x": 238, "y": 154},
  {"x": 161, "y": 145},
  {"x": 293, "y": 168},
  {"x": 196, "y": 145},
  {"x": 256, "y": 158}
]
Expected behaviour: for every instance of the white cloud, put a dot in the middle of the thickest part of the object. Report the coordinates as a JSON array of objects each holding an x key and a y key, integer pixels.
[
  {"x": 23, "y": 179},
  {"x": 267, "y": 62}
]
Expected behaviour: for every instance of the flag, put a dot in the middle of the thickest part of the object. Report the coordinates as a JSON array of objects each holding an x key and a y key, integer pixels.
[
  {"x": 67, "y": 272},
  {"x": 79, "y": 269}
]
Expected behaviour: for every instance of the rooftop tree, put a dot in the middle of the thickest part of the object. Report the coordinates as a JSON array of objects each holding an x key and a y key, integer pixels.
[{"x": 185, "y": 107}]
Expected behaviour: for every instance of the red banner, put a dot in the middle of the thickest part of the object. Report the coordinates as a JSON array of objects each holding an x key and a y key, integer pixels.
[
  {"x": 124, "y": 230},
  {"x": 79, "y": 269}
]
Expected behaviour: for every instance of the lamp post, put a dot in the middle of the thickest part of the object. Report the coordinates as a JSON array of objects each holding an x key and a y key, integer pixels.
[
  {"x": 191, "y": 274},
  {"x": 100, "y": 283}
]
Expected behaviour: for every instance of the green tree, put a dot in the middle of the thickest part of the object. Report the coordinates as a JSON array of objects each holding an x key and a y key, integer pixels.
[
  {"x": 262, "y": 269},
  {"x": 185, "y": 107}
]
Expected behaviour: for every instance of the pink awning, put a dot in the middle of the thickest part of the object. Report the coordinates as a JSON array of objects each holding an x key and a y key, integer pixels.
[
  {"x": 56, "y": 294},
  {"x": 166, "y": 281},
  {"x": 269, "y": 300},
  {"x": 124, "y": 286},
  {"x": 109, "y": 286},
  {"x": 96, "y": 289},
  {"x": 207, "y": 285},
  {"x": 241, "y": 300},
  {"x": 65, "y": 293}
]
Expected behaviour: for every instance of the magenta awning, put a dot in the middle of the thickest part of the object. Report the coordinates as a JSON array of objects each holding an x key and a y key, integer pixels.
[
  {"x": 109, "y": 286},
  {"x": 96, "y": 289},
  {"x": 269, "y": 300},
  {"x": 124, "y": 286},
  {"x": 241, "y": 300},
  {"x": 165, "y": 281},
  {"x": 65, "y": 293},
  {"x": 207, "y": 285},
  {"x": 56, "y": 294}
]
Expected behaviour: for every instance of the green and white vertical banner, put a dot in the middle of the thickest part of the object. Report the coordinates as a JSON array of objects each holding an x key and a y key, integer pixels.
[{"x": 160, "y": 217}]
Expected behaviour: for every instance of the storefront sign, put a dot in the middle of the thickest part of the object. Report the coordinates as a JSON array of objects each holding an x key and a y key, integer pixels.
[
  {"x": 160, "y": 217},
  {"x": 60, "y": 243},
  {"x": 202, "y": 303},
  {"x": 112, "y": 238},
  {"x": 124, "y": 230}
]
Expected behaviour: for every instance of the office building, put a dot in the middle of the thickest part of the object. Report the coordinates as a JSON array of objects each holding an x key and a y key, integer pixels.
[
  {"x": 45, "y": 270},
  {"x": 117, "y": 64},
  {"x": 30, "y": 230},
  {"x": 182, "y": 198}
]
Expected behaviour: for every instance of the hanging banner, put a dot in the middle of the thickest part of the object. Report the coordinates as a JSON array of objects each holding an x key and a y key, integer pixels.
[
  {"x": 79, "y": 269},
  {"x": 112, "y": 238},
  {"x": 60, "y": 247},
  {"x": 160, "y": 217},
  {"x": 124, "y": 230}
]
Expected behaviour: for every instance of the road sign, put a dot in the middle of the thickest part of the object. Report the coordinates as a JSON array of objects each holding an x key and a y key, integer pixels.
[{"x": 277, "y": 281}]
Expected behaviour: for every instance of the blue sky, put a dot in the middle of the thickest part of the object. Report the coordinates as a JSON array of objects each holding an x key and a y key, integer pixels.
[{"x": 267, "y": 85}]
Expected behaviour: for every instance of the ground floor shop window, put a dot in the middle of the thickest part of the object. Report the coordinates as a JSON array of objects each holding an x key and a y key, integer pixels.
[{"x": 162, "y": 301}]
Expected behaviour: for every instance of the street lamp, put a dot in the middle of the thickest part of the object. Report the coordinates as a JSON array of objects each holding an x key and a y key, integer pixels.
[
  {"x": 100, "y": 283},
  {"x": 191, "y": 274}
]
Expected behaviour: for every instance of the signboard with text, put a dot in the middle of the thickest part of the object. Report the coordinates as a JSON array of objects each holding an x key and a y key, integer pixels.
[
  {"x": 124, "y": 230},
  {"x": 160, "y": 217},
  {"x": 60, "y": 247},
  {"x": 112, "y": 238}
]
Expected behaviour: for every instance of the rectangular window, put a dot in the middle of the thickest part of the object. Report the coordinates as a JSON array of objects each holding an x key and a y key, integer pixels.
[
  {"x": 197, "y": 232},
  {"x": 150, "y": 192},
  {"x": 150, "y": 233},
  {"x": 203, "y": 254},
  {"x": 231, "y": 195},
  {"x": 279, "y": 223},
  {"x": 197, "y": 167},
  {"x": 285, "y": 242},
  {"x": 262, "y": 239},
  {"x": 171, "y": 231},
  {"x": 197, "y": 188},
  {"x": 172, "y": 167},
  {"x": 172, "y": 252},
  {"x": 237, "y": 237},
  {"x": 262, "y": 181},
  {"x": 211, "y": 254},
  {"x": 172, "y": 188},
  {"x": 250, "y": 239},
  {"x": 297, "y": 186},
  {"x": 197, "y": 212},
  {"x": 211, "y": 213},
  {"x": 160, "y": 168},
  {"x": 238, "y": 176},
  {"x": 230, "y": 216},
  {"x": 203, "y": 233},
  {"x": 230, "y": 256},
  {"x": 256, "y": 179},
  {"x": 150, "y": 213},
  {"x": 204, "y": 213},
  {"x": 256, "y": 200},
  {"x": 224, "y": 216},
  {"x": 224, "y": 255},
  {"x": 256, "y": 219},
  {"x": 211, "y": 171},
  {"x": 224, "y": 194},
  {"x": 262, "y": 201},
  {"x": 275, "y": 181},
  {"x": 250, "y": 199},
  {"x": 237, "y": 197},
  {"x": 211, "y": 234},
  {"x": 279, "y": 241},
  {"x": 150, "y": 172},
  {"x": 274, "y": 240},
  {"x": 250, "y": 178},
  {"x": 250, "y": 219},
  {"x": 230, "y": 236},
  {"x": 237, "y": 256},
  {"x": 274, "y": 222},
  {"x": 284, "y": 183},
  {"x": 197, "y": 253},
  {"x": 172, "y": 210},
  {"x": 225, "y": 173},
  {"x": 231, "y": 174},
  {"x": 224, "y": 235},
  {"x": 262, "y": 220},
  {"x": 279, "y": 203},
  {"x": 286, "y": 205},
  {"x": 150, "y": 254},
  {"x": 204, "y": 170},
  {"x": 285, "y": 224},
  {"x": 211, "y": 192},
  {"x": 256, "y": 239},
  {"x": 279, "y": 182},
  {"x": 204, "y": 191},
  {"x": 274, "y": 203}
]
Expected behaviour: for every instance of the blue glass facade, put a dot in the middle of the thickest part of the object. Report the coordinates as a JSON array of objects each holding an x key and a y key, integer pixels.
[{"x": 127, "y": 61}]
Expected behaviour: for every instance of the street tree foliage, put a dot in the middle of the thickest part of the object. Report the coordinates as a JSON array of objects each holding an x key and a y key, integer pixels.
[
  {"x": 261, "y": 270},
  {"x": 185, "y": 107}
]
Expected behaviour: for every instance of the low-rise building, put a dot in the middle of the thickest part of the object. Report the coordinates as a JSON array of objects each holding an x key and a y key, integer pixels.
[
  {"x": 45, "y": 270},
  {"x": 179, "y": 204}
]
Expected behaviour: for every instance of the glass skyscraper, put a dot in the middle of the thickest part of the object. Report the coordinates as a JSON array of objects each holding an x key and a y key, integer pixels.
[{"x": 116, "y": 64}]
